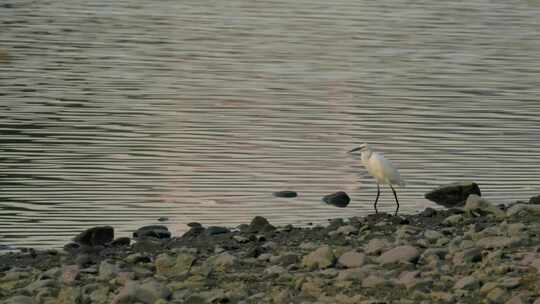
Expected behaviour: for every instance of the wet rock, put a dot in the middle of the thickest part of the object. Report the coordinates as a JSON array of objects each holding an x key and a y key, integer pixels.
[
  {"x": 285, "y": 193},
  {"x": 453, "y": 195},
  {"x": 95, "y": 236},
  {"x": 400, "y": 254},
  {"x": 321, "y": 258},
  {"x": 121, "y": 242},
  {"x": 338, "y": 199},
  {"x": 351, "y": 259},
  {"x": 215, "y": 230},
  {"x": 480, "y": 206},
  {"x": 260, "y": 224},
  {"x": 152, "y": 232},
  {"x": 163, "y": 219},
  {"x": 428, "y": 212},
  {"x": 535, "y": 200}
]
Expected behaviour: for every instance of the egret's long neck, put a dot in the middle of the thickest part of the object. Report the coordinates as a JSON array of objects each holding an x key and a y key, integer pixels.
[{"x": 366, "y": 155}]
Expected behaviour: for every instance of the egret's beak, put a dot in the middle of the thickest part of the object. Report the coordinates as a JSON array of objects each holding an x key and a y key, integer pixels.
[{"x": 356, "y": 149}]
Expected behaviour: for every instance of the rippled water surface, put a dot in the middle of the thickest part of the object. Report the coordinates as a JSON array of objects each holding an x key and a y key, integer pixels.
[{"x": 121, "y": 112}]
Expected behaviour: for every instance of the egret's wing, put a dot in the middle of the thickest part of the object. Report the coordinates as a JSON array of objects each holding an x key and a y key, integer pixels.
[{"x": 383, "y": 170}]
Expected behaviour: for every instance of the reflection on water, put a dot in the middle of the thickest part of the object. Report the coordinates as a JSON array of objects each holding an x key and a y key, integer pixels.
[{"x": 121, "y": 112}]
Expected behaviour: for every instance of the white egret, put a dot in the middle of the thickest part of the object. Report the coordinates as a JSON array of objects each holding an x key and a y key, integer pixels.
[{"x": 381, "y": 169}]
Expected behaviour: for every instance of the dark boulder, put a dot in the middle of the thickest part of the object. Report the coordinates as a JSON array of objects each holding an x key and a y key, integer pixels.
[
  {"x": 260, "y": 224},
  {"x": 454, "y": 194},
  {"x": 121, "y": 241},
  {"x": 535, "y": 200},
  {"x": 338, "y": 199},
  {"x": 285, "y": 193},
  {"x": 95, "y": 236},
  {"x": 152, "y": 232}
]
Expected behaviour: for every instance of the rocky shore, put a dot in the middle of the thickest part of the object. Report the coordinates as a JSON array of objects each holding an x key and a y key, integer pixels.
[{"x": 478, "y": 253}]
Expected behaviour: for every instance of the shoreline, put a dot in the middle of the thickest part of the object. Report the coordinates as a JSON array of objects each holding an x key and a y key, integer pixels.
[{"x": 480, "y": 253}]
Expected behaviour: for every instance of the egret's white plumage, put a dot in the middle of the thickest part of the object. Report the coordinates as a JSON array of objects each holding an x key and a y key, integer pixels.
[{"x": 381, "y": 169}]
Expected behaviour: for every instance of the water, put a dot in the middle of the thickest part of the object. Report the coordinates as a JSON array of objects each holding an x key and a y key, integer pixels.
[{"x": 120, "y": 112}]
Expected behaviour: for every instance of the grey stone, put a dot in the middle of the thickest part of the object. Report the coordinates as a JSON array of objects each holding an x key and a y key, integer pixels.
[
  {"x": 20, "y": 300},
  {"x": 376, "y": 246},
  {"x": 432, "y": 235},
  {"x": 351, "y": 259},
  {"x": 95, "y": 236},
  {"x": 152, "y": 232},
  {"x": 168, "y": 265},
  {"x": 400, "y": 254},
  {"x": 338, "y": 199},
  {"x": 468, "y": 282},
  {"x": 523, "y": 208},
  {"x": 108, "y": 271},
  {"x": 477, "y": 205},
  {"x": 321, "y": 258},
  {"x": 497, "y": 296},
  {"x": 147, "y": 292},
  {"x": 453, "y": 195},
  {"x": 373, "y": 280},
  {"x": 453, "y": 220},
  {"x": 223, "y": 262},
  {"x": 535, "y": 200},
  {"x": 497, "y": 242}
]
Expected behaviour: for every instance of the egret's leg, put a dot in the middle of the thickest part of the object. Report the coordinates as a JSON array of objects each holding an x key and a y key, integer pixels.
[
  {"x": 377, "y": 199},
  {"x": 397, "y": 202}
]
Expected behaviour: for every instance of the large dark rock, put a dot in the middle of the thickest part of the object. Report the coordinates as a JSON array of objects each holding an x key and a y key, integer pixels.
[
  {"x": 215, "y": 230},
  {"x": 95, "y": 236},
  {"x": 285, "y": 193},
  {"x": 535, "y": 200},
  {"x": 153, "y": 232},
  {"x": 338, "y": 199},
  {"x": 260, "y": 224},
  {"x": 453, "y": 195}
]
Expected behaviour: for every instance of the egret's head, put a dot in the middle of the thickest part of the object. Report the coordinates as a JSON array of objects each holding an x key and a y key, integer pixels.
[{"x": 363, "y": 147}]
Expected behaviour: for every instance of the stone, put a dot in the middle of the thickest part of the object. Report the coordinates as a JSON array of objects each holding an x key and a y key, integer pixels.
[
  {"x": 400, "y": 254},
  {"x": 285, "y": 194},
  {"x": 376, "y": 246},
  {"x": 408, "y": 278},
  {"x": 535, "y": 200},
  {"x": 20, "y": 300},
  {"x": 478, "y": 205},
  {"x": 121, "y": 241},
  {"x": 69, "y": 295},
  {"x": 373, "y": 280},
  {"x": 321, "y": 258},
  {"x": 70, "y": 274},
  {"x": 510, "y": 283},
  {"x": 215, "y": 230},
  {"x": 453, "y": 220},
  {"x": 496, "y": 242},
  {"x": 454, "y": 194},
  {"x": 260, "y": 224},
  {"x": 432, "y": 235},
  {"x": 108, "y": 271},
  {"x": 223, "y": 262},
  {"x": 467, "y": 256},
  {"x": 137, "y": 257},
  {"x": 168, "y": 265},
  {"x": 497, "y": 296},
  {"x": 95, "y": 236},
  {"x": 428, "y": 212},
  {"x": 523, "y": 208},
  {"x": 274, "y": 270},
  {"x": 515, "y": 300},
  {"x": 467, "y": 282},
  {"x": 159, "y": 232},
  {"x": 347, "y": 230},
  {"x": 339, "y": 199},
  {"x": 351, "y": 259},
  {"x": 147, "y": 292}
]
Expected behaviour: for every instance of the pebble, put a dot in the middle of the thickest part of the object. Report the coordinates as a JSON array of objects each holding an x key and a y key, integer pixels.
[
  {"x": 321, "y": 258},
  {"x": 400, "y": 254}
]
